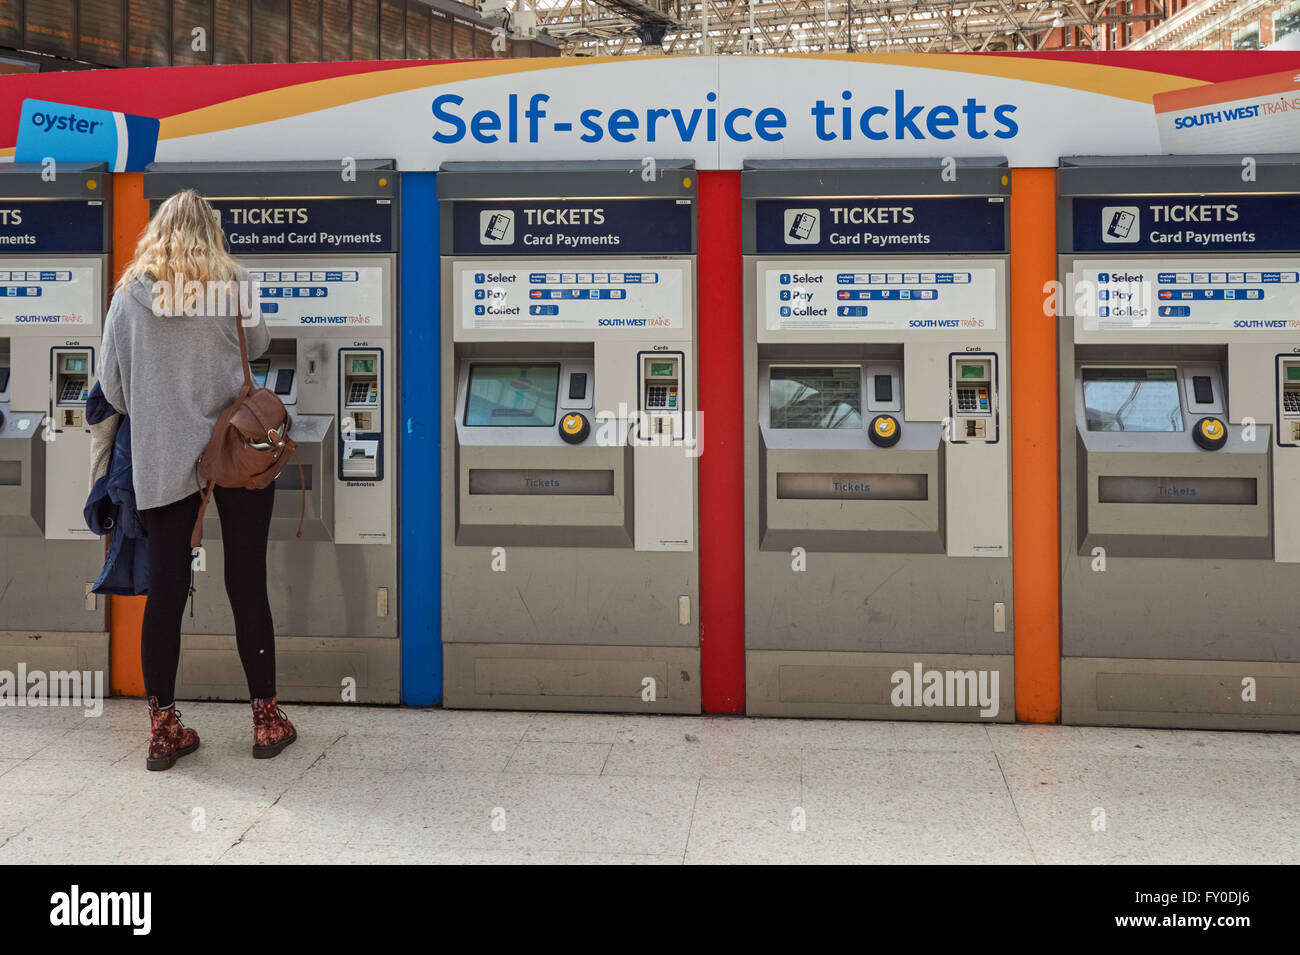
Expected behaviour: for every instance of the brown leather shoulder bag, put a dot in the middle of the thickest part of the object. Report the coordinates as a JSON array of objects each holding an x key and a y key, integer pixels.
[{"x": 249, "y": 446}]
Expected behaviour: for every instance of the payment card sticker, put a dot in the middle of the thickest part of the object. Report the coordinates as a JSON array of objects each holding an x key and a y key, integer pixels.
[{"x": 81, "y": 134}]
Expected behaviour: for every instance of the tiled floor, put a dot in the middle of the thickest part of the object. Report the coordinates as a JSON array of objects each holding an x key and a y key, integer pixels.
[{"x": 369, "y": 784}]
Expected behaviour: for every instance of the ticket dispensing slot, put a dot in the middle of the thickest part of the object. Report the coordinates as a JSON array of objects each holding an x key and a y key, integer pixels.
[
  {"x": 360, "y": 404},
  {"x": 1156, "y": 433},
  {"x": 532, "y": 471},
  {"x": 840, "y": 468}
]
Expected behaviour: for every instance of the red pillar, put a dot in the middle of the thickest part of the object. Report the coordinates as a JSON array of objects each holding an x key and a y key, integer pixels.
[{"x": 722, "y": 502}]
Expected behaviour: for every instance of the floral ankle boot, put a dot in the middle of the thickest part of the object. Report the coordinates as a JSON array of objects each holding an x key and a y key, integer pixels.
[
  {"x": 272, "y": 730},
  {"x": 169, "y": 740}
]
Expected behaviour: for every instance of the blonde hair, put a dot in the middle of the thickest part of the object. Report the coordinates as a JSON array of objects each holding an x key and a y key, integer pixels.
[{"x": 183, "y": 240}]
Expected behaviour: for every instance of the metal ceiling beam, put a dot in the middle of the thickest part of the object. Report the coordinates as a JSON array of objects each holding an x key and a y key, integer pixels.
[{"x": 586, "y": 26}]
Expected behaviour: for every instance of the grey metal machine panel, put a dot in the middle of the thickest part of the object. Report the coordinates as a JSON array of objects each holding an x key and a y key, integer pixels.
[
  {"x": 879, "y": 591},
  {"x": 72, "y": 180},
  {"x": 50, "y": 620},
  {"x": 307, "y": 669},
  {"x": 1190, "y": 694},
  {"x": 530, "y": 676},
  {"x": 608, "y": 178},
  {"x": 570, "y": 572},
  {"x": 1176, "y": 613},
  {"x": 246, "y": 180},
  {"x": 333, "y": 592}
]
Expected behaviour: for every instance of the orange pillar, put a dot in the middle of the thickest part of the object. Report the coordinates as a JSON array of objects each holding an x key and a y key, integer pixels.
[
  {"x": 130, "y": 215},
  {"x": 1035, "y": 498}
]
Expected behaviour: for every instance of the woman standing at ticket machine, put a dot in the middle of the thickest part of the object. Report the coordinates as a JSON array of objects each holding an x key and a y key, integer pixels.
[{"x": 172, "y": 367}]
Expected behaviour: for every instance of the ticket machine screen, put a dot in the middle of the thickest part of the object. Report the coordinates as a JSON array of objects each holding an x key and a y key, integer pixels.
[
  {"x": 1291, "y": 391},
  {"x": 817, "y": 397},
  {"x": 1132, "y": 399},
  {"x": 512, "y": 396}
]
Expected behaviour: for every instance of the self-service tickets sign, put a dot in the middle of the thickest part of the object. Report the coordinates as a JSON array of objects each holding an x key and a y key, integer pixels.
[{"x": 717, "y": 111}]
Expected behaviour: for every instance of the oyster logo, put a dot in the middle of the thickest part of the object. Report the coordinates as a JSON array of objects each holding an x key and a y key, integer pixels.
[
  {"x": 82, "y": 134},
  {"x": 955, "y": 688},
  {"x": 802, "y": 227},
  {"x": 497, "y": 227},
  {"x": 1121, "y": 224}
]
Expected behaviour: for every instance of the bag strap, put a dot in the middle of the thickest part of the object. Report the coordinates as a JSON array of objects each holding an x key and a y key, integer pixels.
[
  {"x": 243, "y": 345},
  {"x": 196, "y": 535}
]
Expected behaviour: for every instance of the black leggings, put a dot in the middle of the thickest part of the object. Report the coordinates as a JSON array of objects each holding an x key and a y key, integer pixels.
[{"x": 245, "y": 523}]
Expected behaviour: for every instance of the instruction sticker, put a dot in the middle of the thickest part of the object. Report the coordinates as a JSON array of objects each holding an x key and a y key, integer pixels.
[
  {"x": 1189, "y": 295},
  {"x": 859, "y": 295},
  {"x": 307, "y": 296},
  {"x": 607, "y": 294},
  {"x": 60, "y": 296}
]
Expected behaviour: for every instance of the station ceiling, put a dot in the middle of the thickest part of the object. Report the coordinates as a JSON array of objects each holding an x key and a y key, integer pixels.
[{"x": 614, "y": 27}]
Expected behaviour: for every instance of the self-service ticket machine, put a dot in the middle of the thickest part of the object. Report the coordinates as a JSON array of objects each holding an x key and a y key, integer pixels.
[
  {"x": 55, "y": 228},
  {"x": 877, "y": 533},
  {"x": 570, "y": 574},
  {"x": 1180, "y": 440},
  {"x": 320, "y": 240}
]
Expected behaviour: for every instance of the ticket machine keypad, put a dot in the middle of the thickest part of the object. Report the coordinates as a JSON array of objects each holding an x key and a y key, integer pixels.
[
  {"x": 74, "y": 389},
  {"x": 661, "y": 396},
  {"x": 972, "y": 399},
  {"x": 362, "y": 393}
]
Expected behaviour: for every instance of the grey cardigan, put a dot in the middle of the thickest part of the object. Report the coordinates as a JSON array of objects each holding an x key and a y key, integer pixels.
[{"x": 173, "y": 374}]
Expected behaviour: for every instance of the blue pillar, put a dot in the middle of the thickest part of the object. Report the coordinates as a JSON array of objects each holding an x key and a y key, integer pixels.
[{"x": 421, "y": 498}]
